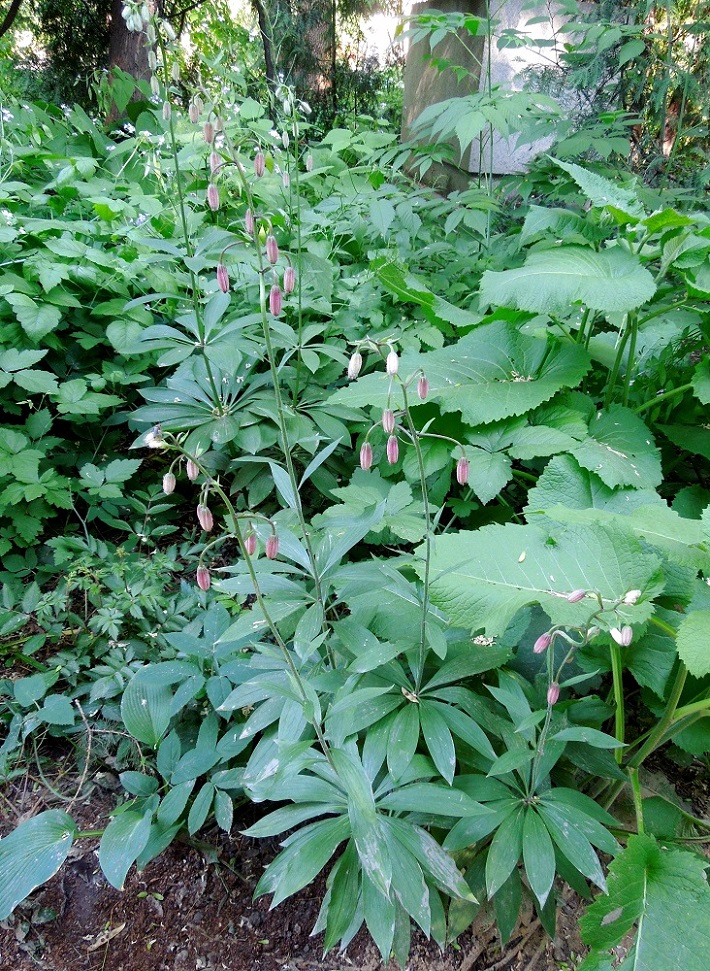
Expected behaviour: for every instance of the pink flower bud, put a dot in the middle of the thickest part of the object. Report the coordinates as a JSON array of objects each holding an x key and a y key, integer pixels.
[
  {"x": 624, "y": 636},
  {"x": 205, "y": 518},
  {"x": 167, "y": 111},
  {"x": 250, "y": 544},
  {"x": 272, "y": 546},
  {"x": 576, "y": 596},
  {"x": 223, "y": 277},
  {"x": 366, "y": 456},
  {"x": 259, "y": 164},
  {"x": 542, "y": 643},
  {"x": 392, "y": 449},
  {"x": 215, "y": 163},
  {"x": 392, "y": 363},
  {"x": 275, "y": 300},
  {"x": 285, "y": 139},
  {"x": 213, "y": 197},
  {"x": 249, "y": 222},
  {"x": 463, "y": 467},
  {"x": 388, "y": 420},
  {"x": 208, "y": 132},
  {"x": 553, "y": 694},
  {"x": 286, "y": 180},
  {"x": 632, "y": 597},
  {"x": 203, "y": 578},
  {"x": 289, "y": 279},
  {"x": 309, "y": 164},
  {"x": 272, "y": 249},
  {"x": 169, "y": 483},
  {"x": 423, "y": 387},
  {"x": 354, "y": 365},
  {"x": 192, "y": 470},
  {"x": 193, "y": 113}
]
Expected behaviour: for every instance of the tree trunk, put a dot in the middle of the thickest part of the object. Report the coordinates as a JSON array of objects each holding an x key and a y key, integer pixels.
[{"x": 127, "y": 50}]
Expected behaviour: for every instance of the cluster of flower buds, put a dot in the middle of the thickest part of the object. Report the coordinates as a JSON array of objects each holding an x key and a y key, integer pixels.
[
  {"x": 136, "y": 15},
  {"x": 622, "y": 635}
]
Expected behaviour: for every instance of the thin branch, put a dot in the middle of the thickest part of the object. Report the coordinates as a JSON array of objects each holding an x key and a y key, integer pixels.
[{"x": 10, "y": 16}]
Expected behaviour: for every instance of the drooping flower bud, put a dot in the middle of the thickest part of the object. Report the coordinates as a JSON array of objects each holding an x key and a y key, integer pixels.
[
  {"x": 205, "y": 517},
  {"x": 463, "y": 467},
  {"x": 249, "y": 222},
  {"x": 208, "y": 132},
  {"x": 259, "y": 164},
  {"x": 388, "y": 420},
  {"x": 272, "y": 249},
  {"x": 392, "y": 363},
  {"x": 366, "y": 456},
  {"x": 272, "y": 546},
  {"x": 275, "y": 300},
  {"x": 576, "y": 596},
  {"x": 553, "y": 694},
  {"x": 250, "y": 544},
  {"x": 223, "y": 277},
  {"x": 175, "y": 71},
  {"x": 354, "y": 365},
  {"x": 288, "y": 108},
  {"x": 215, "y": 163},
  {"x": 542, "y": 643},
  {"x": 152, "y": 60},
  {"x": 154, "y": 85},
  {"x": 309, "y": 164},
  {"x": 213, "y": 197},
  {"x": 392, "y": 450},
  {"x": 632, "y": 597},
  {"x": 193, "y": 112},
  {"x": 422, "y": 387},
  {"x": 286, "y": 180},
  {"x": 289, "y": 279},
  {"x": 623, "y": 636},
  {"x": 192, "y": 470},
  {"x": 203, "y": 578},
  {"x": 167, "y": 111},
  {"x": 285, "y": 140},
  {"x": 169, "y": 483},
  {"x": 169, "y": 32}
]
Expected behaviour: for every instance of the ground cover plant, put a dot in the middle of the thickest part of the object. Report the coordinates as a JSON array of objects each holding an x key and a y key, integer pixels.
[{"x": 383, "y": 509}]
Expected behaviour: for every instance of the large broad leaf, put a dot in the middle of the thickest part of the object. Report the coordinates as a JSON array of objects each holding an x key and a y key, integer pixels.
[
  {"x": 123, "y": 841},
  {"x": 620, "y": 450},
  {"x": 613, "y": 281},
  {"x": 145, "y": 708},
  {"x": 693, "y": 642},
  {"x": 605, "y": 194},
  {"x": 31, "y": 854},
  {"x": 483, "y": 578},
  {"x": 664, "y": 893},
  {"x": 492, "y": 373}
]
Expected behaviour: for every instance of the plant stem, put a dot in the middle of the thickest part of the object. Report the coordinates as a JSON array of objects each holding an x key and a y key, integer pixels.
[
  {"x": 662, "y": 397},
  {"x": 619, "y": 713},
  {"x": 638, "y": 802}
]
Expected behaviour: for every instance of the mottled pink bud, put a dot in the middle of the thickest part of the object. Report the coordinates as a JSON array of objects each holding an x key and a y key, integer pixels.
[
  {"x": 169, "y": 483},
  {"x": 193, "y": 112},
  {"x": 392, "y": 449},
  {"x": 213, "y": 197},
  {"x": 623, "y": 636},
  {"x": 223, "y": 277},
  {"x": 192, "y": 470},
  {"x": 576, "y": 596},
  {"x": 275, "y": 300},
  {"x": 388, "y": 420},
  {"x": 208, "y": 132},
  {"x": 259, "y": 164},
  {"x": 354, "y": 365},
  {"x": 272, "y": 249},
  {"x": 249, "y": 222},
  {"x": 309, "y": 164},
  {"x": 366, "y": 456},
  {"x": 250, "y": 544},
  {"x": 203, "y": 578},
  {"x": 286, "y": 180},
  {"x": 272, "y": 546},
  {"x": 553, "y": 694},
  {"x": 542, "y": 643},
  {"x": 205, "y": 518},
  {"x": 463, "y": 467},
  {"x": 289, "y": 279},
  {"x": 215, "y": 163},
  {"x": 392, "y": 363},
  {"x": 423, "y": 387},
  {"x": 632, "y": 597}
]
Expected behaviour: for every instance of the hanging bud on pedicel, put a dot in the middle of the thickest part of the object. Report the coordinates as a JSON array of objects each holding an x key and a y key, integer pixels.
[
  {"x": 542, "y": 643},
  {"x": 366, "y": 456},
  {"x": 354, "y": 365},
  {"x": 249, "y": 222},
  {"x": 175, "y": 71},
  {"x": 203, "y": 578},
  {"x": 275, "y": 300},
  {"x": 576, "y": 596},
  {"x": 272, "y": 249},
  {"x": 286, "y": 180},
  {"x": 193, "y": 112},
  {"x": 392, "y": 363},
  {"x": 388, "y": 421},
  {"x": 259, "y": 164},
  {"x": 285, "y": 140},
  {"x": 422, "y": 387},
  {"x": 272, "y": 546},
  {"x": 167, "y": 111},
  {"x": 392, "y": 450},
  {"x": 215, "y": 163},
  {"x": 213, "y": 197},
  {"x": 208, "y": 132},
  {"x": 223, "y": 277},
  {"x": 250, "y": 544},
  {"x": 169, "y": 483},
  {"x": 553, "y": 694},
  {"x": 192, "y": 470},
  {"x": 623, "y": 636},
  {"x": 463, "y": 468},
  {"x": 289, "y": 279},
  {"x": 205, "y": 518}
]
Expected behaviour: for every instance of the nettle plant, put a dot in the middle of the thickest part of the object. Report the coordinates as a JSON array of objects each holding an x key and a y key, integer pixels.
[{"x": 419, "y": 682}]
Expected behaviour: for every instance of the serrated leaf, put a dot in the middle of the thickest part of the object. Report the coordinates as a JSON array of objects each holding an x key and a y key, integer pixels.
[
  {"x": 620, "y": 450},
  {"x": 31, "y": 854},
  {"x": 601, "y": 192},
  {"x": 37, "y": 319},
  {"x": 693, "y": 642},
  {"x": 550, "y": 281}
]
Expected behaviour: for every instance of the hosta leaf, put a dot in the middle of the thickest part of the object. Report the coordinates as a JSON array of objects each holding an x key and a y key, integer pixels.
[
  {"x": 31, "y": 854},
  {"x": 490, "y": 374},
  {"x": 122, "y": 843},
  {"x": 145, "y": 709},
  {"x": 481, "y": 579},
  {"x": 693, "y": 642},
  {"x": 620, "y": 450},
  {"x": 612, "y": 281},
  {"x": 663, "y": 891}
]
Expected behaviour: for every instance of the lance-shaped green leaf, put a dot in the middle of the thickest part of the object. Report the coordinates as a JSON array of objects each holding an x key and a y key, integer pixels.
[
  {"x": 481, "y": 579},
  {"x": 490, "y": 374},
  {"x": 612, "y": 281},
  {"x": 662, "y": 891},
  {"x": 31, "y": 854}
]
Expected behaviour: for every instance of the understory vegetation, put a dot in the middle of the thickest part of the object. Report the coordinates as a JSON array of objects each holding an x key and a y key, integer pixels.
[{"x": 383, "y": 508}]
